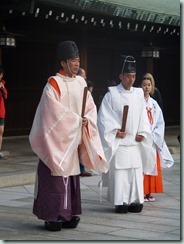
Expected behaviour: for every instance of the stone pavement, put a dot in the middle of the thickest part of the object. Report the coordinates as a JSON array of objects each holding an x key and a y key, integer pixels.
[{"x": 159, "y": 220}]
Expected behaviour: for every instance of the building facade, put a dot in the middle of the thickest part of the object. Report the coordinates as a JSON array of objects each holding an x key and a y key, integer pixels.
[{"x": 103, "y": 32}]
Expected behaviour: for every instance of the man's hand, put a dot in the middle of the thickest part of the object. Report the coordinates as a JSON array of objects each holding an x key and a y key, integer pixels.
[
  {"x": 139, "y": 138},
  {"x": 84, "y": 122},
  {"x": 120, "y": 134}
]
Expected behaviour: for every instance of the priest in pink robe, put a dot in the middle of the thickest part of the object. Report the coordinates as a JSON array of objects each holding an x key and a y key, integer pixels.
[{"x": 61, "y": 136}]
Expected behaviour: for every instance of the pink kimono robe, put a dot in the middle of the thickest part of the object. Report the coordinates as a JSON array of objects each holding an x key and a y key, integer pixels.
[{"x": 57, "y": 129}]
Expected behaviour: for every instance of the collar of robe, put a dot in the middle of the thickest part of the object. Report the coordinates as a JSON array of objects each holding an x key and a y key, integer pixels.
[
  {"x": 65, "y": 77},
  {"x": 122, "y": 89}
]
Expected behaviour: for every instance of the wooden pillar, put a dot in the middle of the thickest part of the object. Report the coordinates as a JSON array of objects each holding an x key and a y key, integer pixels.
[
  {"x": 83, "y": 51},
  {"x": 149, "y": 65}
]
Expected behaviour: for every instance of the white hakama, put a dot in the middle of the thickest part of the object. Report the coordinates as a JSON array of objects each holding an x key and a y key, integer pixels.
[{"x": 126, "y": 177}]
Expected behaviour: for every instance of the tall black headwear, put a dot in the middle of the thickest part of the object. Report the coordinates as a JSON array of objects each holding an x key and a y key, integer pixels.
[
  {"x": 67, "y": 50},
  {"x": 128, "y": 64}
]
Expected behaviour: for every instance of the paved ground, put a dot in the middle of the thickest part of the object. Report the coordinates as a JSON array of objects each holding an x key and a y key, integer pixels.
[{"x": 160, "y": 220}]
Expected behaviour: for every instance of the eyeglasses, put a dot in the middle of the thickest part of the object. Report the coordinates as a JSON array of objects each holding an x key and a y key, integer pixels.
[{"x": 146, "y": 78}]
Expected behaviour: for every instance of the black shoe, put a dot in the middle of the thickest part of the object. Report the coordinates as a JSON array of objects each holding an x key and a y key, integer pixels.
[
  {"x": 53, "y": 226},
  {"x": 121, "y": 208},
  {"x": 135, "y": 207},
  {"x": 72, "y": 223}
]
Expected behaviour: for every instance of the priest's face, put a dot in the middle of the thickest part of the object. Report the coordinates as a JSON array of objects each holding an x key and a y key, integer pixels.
[
  {"x": 127, "y": 80},
  {"x": 71, "y": 66}
]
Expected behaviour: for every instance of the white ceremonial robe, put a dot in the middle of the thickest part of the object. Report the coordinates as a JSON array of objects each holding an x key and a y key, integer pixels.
[
  {"x": 57, "y": 137},
  {"x": 158, "y": 132},
  {"x": 128, "y": 159}
]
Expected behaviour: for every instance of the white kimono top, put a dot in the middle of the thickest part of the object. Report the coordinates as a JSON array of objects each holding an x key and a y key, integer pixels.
[
  {"x": 157, "y": 126},
  {"x": 57, "y": 129},
  {"x": 110, "y": 120}
]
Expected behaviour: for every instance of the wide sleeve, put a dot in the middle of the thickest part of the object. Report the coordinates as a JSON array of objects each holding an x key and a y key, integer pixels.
[
  {"x": 55, "y": 133},
  {"x": 91, "y": 151},
  {"x": 108, "y": 124},
  {"x": 158, "y": 133}
]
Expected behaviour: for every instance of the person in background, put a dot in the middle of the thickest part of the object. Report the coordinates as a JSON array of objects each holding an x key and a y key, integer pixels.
[
  {"x": 153, "y": 183},
  {"x": 90, "y": 86},
  {"x": 82, "y": 73},
  {"x": 83, "y": 171},
  {"x": 125, "y": 149},
  {"x": 155, "y": 93},
  {"x": 61, "y": 136},
  {"x": 3, "y": 97}
]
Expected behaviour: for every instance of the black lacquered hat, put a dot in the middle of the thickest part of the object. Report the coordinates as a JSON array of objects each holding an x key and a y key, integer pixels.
[{"x": 128, "y": 64}]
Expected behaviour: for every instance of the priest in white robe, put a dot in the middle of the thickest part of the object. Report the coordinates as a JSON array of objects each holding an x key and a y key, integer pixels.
[{"x": 127, "y": 145}]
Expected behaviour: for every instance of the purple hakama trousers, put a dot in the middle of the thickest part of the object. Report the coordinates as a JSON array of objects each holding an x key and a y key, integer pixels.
[{"x": 50, "y": 203}]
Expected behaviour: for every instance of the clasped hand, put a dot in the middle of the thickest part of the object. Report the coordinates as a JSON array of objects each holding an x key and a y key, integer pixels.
[
  {"x": 139, "y": 138},
  {"x": 84, "y": 122},
  {"x": 121, "y": 134}
]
